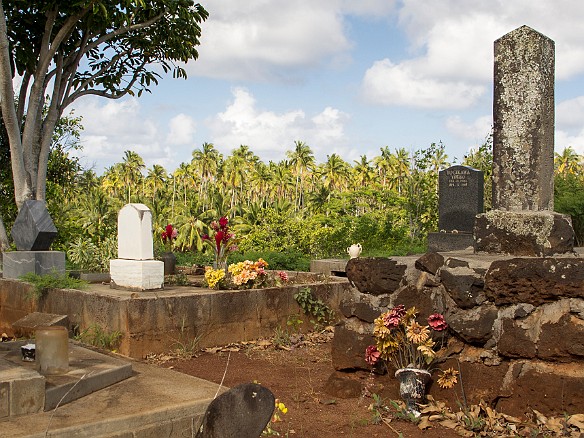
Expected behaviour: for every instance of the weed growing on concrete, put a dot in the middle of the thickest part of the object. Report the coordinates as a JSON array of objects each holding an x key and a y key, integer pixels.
[
  {"x": 314, "y": 307},
  {"x": 185, "y": 346},
  {"x": 53, "y": 280},
  {"x": 95, "y": 335}
]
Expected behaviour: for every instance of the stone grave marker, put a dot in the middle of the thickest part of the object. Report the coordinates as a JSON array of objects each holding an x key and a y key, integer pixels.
[
  {"x": 460, "y": 199},
  {"x": 33, "y": 229},
  {"x": 242, "y": 411},
  {"x": 135, "y": 233},
  {"x": 522, "y": 221},
  {"x": 135, "y": 267},
  {"x": 33, "y": 232}
]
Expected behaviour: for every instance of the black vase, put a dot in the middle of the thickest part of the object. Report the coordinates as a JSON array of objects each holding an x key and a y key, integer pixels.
[
  {"x": 169, "y": 260},
  {"x": 412, "y": 387}
]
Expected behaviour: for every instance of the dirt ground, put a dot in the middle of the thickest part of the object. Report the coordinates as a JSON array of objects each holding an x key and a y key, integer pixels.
[{"x": 298, "y": 377}]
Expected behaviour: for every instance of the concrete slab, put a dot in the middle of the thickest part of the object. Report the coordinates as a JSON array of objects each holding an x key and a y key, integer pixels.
[
  {"x": 154, "y": 402},
  {"x": 18, "y": 263},
  {"x": 89, "y": 371},
  {"x": 26, "y": 326}
]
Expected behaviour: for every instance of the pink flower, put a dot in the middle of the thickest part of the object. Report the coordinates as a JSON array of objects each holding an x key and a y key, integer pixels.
[
  {"x": 399, "y": 311},
  {"x": 283, "y": 276},
  {"x": 390, "y": 321},
  {"x": 437, "y": 322},
  {"x": 372, "y": 355},
  {"x": 205, "y": 237},
  {"x": 223, "y": 221}
]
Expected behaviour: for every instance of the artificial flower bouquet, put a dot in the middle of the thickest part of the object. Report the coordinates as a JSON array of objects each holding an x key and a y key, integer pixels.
[
  {"x": 404, "y": 343},
  {"x": 244, "y": 275}
]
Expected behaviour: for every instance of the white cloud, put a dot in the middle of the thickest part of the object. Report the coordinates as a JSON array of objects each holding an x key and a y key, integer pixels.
[
  {"x": 182, "y": 130},
  {"x": 570, "y": 114},
  {"x": 569, "y": 125},
  {"x": 451, "y": 52},
  {"x": 259, "y": 40},
  {"x": 475, "y": 131},
  {"x": 111, "y": 127},
  {"x": 401, "y": 85},
  {"x": 270, "y": 134}
]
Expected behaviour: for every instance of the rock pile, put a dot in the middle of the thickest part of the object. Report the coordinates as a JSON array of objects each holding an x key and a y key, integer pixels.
[{"x": 517, "y": 323}]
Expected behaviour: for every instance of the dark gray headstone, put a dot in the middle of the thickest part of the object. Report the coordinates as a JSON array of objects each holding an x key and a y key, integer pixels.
[
  {"x": 33, "y": 229},
  {"x": 460, "y": 198},
  {"x": 243, "y": 411}
]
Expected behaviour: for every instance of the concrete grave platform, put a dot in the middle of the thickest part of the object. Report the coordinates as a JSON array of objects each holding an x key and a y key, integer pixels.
[
  {"x": 89, "y": 371},
  {"x": 153, "y": 402}
]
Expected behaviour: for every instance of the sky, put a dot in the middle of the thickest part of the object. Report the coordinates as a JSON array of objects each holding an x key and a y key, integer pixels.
[{"x": 345, "y": 77}]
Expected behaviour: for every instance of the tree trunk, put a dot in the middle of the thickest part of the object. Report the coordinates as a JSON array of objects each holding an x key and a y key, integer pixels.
[{"x": 4, "y": 242}]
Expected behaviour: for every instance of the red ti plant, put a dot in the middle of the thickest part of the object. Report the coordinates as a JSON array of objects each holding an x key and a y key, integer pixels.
[
  {"x": 168, "y": 235},
  {"x": 222, "y": 241}
]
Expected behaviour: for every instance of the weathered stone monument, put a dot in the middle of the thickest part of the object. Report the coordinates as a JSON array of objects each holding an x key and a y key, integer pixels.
[
  {"x": 460, "y": 199},
  {"x": 135, "y": 267},
  {"x": 522, "y": 221},
  {"x": 33, "y": 233}
]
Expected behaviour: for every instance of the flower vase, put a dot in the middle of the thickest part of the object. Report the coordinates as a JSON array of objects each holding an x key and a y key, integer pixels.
[
  {"x": 222, "y": 264},
  {"x": 169, "y": 260},
  {"x": 412, "y": 387}
]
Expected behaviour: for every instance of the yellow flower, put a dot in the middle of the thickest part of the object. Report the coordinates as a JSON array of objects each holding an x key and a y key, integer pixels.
[
  {"x": 448, "y": 378},
  {"x": 417, "y": 333},
  {"x": 213, "y": 276},
  {"x": 427, "y": 350}
]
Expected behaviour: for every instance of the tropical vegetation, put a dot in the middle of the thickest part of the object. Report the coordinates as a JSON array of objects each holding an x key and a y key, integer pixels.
[{"x": 286, "y": 212}]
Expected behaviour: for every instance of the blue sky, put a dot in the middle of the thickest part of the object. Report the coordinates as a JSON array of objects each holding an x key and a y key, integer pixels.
[{"x": 345, "y": 77}]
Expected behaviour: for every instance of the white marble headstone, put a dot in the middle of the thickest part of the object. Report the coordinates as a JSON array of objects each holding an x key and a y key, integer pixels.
[{"x": 135, "y": 233}]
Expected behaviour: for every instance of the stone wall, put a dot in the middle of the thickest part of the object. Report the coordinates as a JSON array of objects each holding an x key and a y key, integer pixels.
[
  {"x": 516, "y": 324},
  {"x": 159, "y": 321}
]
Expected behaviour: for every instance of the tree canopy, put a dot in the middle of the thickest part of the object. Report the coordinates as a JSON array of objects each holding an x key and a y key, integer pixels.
[{"x": 58, "y": 51}]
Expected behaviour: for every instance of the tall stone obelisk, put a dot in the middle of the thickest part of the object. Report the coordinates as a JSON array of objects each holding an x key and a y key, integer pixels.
[{"x": 522, "y": 221}]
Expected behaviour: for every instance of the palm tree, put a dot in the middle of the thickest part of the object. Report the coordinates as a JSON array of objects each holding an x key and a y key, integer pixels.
[
  {"x": 334, "y": 172},
  {"x": 383, "y": 164},
  {"x": 156, "y": 179},
  {"x": 568, "y": 162},
  {"x": 364, "y": 173},
  {"x": 206, "y": 161},
  {"x": 301, "y": 159},
  {"x": 400, "y": 164},
  {"x": 132, "y": 165}
]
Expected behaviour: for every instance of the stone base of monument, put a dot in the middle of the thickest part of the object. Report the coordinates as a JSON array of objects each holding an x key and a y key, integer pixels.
[
  {"x": 438, "y": 242},
  {"x": 137, "y": 274},
  {"x": 18, "y": 263},
  {"x": 524, "y": 233}
]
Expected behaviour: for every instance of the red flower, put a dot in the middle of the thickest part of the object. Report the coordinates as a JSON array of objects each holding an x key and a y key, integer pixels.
[
  {"x": 437, "y": 322},
  {"x": 169, "y": 230},
  {"x": 372, "y": 355},
  {"x": 218, "y": 238},
  {"x": 223, "y": 221}
]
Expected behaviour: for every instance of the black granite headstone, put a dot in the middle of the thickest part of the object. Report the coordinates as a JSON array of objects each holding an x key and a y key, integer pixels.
[
  {"x": 33, "y": 229},
  {"x": 243, "y": 411},
  {"x": 460, "y": 198}
]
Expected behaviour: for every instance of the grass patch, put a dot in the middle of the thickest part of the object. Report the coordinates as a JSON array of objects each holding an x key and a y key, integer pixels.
[{"x": 54, "y": 280}]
